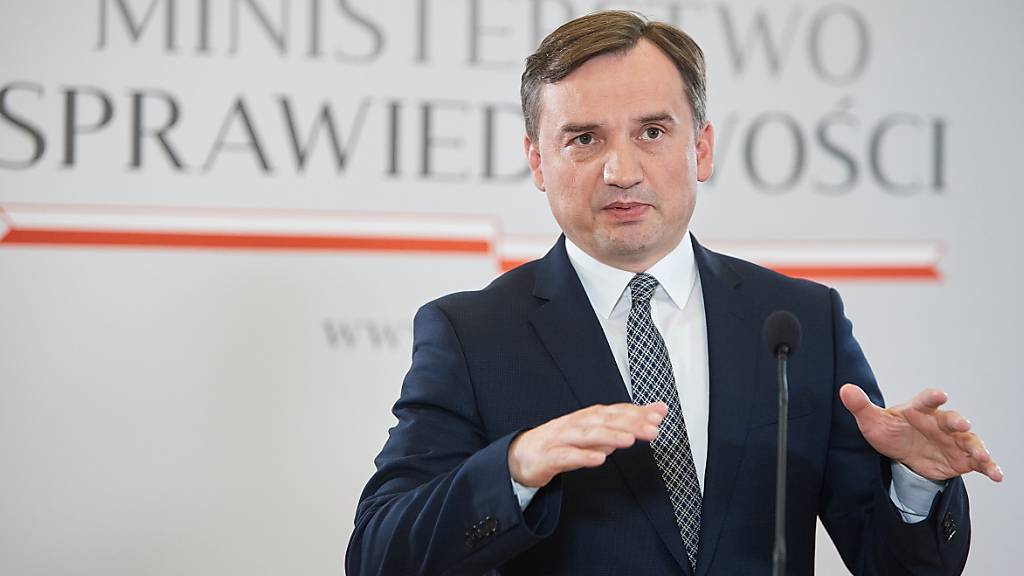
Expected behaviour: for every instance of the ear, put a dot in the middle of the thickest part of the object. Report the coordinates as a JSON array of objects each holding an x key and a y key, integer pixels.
[
  {"x": 706, "y": 153},
  {"x": 533, "y": 159}
]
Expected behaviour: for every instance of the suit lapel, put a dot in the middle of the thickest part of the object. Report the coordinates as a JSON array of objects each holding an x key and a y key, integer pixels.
[
  {"x": 733, "y": 344},
  {"x": 569, "y": 329}
]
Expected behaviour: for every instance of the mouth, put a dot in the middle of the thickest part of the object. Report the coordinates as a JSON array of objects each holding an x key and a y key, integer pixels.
[{"x": 626, "y": 210}]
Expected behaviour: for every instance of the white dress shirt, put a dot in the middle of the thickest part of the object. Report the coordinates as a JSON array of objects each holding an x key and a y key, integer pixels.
[{"x": 677, "y": 309}]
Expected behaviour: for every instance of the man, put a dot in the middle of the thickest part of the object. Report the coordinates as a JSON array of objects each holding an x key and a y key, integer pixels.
[{"x": 609, "y": 409}]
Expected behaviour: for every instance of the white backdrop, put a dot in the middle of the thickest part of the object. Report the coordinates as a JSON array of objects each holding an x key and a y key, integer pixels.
[{"x": 217, "y": 219}]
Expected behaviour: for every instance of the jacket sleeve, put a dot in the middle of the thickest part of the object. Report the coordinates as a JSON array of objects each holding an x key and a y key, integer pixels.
[
  {"x": 865, "y": 525},
  {"x": 441, "y": 501}
]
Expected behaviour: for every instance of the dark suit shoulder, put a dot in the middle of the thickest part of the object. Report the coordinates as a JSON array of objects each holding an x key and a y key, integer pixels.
[
  {"x": 509, "y": 295},
  {"x": 765, "y": 281}
]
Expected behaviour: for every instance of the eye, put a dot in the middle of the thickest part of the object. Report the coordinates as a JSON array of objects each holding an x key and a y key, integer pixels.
[
  {"x": 653, "y": 133},
  {"x": 584, "y": 139}
]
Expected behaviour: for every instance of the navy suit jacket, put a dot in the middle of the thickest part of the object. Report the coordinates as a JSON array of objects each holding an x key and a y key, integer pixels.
[{"x": 528, "y": 348}]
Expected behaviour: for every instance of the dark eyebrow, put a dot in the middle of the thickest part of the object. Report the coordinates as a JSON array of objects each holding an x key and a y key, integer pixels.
[
  {"x": 658, "y": 117},
  {"x": 572, "y": 128},
  {"x": 662, "y": 117}
]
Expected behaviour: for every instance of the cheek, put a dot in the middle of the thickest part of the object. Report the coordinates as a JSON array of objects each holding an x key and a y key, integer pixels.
[
  {"x": 572, "y": 210},
  {"x": 674, "y": 177},
  {"x": 572, "y": 184},
  {"x": 572, "y": 205},
  {"x": 677, "y": 165},
  {"x": 572, "y": 187}
]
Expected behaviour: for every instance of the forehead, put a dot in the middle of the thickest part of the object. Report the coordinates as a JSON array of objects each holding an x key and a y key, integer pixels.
[{"x": 613, "y": 87}]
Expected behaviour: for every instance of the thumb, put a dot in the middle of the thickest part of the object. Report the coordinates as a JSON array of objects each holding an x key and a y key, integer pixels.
[{"x": 856, "y": 400}]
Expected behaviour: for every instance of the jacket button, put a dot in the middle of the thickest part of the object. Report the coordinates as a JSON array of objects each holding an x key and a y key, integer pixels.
[{"x": 948, "y": 527}]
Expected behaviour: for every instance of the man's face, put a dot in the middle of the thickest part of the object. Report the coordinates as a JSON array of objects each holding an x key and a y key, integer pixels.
[{"x": 617, "y": 156}]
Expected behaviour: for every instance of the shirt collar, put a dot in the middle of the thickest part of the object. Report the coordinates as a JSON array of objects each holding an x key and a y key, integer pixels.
[{"x": 605, "y": 285}]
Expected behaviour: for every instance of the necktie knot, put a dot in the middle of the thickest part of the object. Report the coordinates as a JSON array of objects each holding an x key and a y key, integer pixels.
[{"x": 642, "y": 288}]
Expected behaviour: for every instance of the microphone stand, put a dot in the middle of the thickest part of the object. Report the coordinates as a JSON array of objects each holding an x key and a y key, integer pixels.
[{"x": 779, "y": 554}]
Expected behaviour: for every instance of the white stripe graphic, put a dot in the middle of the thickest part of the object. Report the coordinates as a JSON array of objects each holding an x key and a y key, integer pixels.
[
  {"x": 781, "y": 254},
  {"x": 255, "y": 223}
]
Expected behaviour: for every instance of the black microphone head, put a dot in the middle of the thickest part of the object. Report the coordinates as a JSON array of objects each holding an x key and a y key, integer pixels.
[{"x": 781, "y": 328}]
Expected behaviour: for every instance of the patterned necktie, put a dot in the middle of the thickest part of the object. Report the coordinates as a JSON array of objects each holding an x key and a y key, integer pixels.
[{"x": 650, "y": 372}]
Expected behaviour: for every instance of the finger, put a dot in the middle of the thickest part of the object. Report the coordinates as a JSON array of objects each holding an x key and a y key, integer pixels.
[
  {"x": 654, "y": 412},
  {"x": 620, "y": 410},
  {"x": 993, "y": 471},
  {"x": 598, "y": 438},
  {"x": 857, "y": 401},
  {"x": 624, "y": 417},
  {"x": 648, "y": 433},
  {"x": 972, "y": 445},
  {"x": 979, "y": 457},
  {"x": 989, "y": 468},
  {"x": 659, "y": 407},
  {"x": 929, "y": 400},
  {"x": 952, "y": 422},
  {"x": 567, "y": 458},
  {"x": 640, "y": 429}
]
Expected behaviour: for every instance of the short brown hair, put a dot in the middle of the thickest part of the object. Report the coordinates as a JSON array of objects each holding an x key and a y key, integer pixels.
[{"x": 611, "y": 31}]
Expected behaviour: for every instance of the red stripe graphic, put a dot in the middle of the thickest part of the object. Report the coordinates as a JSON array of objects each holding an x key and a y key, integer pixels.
[
  {"x": 827, "y": 273},
  {"x": 859, "y": 272},
  {"x": 243, "y": 241}
]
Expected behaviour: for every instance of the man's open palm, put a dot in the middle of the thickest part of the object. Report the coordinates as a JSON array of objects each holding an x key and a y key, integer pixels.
[{"x": 934, "y": 443}]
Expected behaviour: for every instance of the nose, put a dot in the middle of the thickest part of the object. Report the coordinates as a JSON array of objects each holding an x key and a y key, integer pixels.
[{"x": 622, "y": 167}]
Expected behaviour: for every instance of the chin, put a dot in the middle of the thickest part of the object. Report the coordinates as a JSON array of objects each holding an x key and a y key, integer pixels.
[
  {"x": 630, "y": 238},
  {"x": 626, "y": 247}
]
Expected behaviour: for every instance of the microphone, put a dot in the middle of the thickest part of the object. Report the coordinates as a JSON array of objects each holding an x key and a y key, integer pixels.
[
  {"x": 781, "y": 334},
  {"x": 781, "y": 328}
]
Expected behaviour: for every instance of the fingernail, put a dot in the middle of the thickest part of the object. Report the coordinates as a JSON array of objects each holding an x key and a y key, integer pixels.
[
  {"x": 654, "y": 417},
  {"x": 651, "y": 431}
]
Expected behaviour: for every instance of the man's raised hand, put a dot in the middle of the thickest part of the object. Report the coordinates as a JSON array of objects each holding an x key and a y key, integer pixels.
[
  {"x": 934, "y": 443},
  {"x": 580, "y": 439}
]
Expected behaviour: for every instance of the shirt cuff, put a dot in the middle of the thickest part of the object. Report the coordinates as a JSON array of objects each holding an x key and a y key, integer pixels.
[
  {"x": 912, "y": 493},
  {"x": 523, "y": 493}
]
